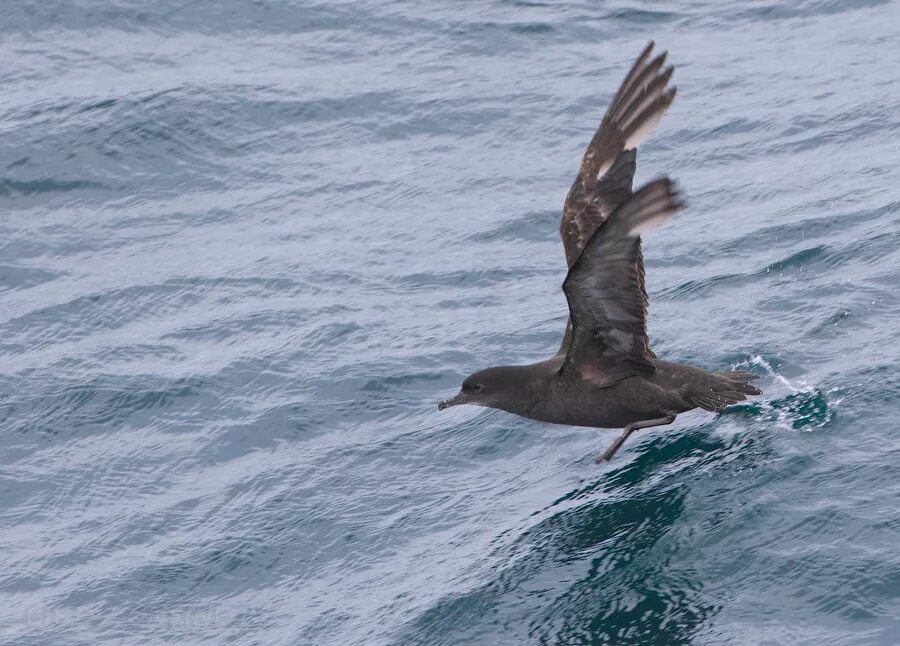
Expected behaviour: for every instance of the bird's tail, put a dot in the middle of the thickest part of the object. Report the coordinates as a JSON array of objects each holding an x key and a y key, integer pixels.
[{"x": 724, "y": 388}]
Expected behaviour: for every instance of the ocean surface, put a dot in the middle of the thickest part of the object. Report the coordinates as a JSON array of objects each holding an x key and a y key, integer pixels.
[{"x": 246, "y": 247}]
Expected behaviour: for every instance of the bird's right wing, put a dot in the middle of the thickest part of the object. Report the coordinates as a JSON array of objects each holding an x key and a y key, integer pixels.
[
  {"x": 605, "y": 292},
  {"x": 638, "y": 106}
]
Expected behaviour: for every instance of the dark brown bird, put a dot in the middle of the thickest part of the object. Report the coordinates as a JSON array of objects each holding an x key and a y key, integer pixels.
[{"x": 604, "y": 374}]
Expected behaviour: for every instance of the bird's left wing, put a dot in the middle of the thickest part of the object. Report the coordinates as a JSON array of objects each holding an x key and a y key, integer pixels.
[{"x": 605, "y": 290}]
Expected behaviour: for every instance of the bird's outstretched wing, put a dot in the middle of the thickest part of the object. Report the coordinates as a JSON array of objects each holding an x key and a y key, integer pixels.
[
  {"x": 604, "y": 288},
  {"x": 607, "y": 168}
]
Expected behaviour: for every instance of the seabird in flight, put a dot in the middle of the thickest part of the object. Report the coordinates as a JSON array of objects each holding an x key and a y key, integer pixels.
[{"x": 604, "y": 374}]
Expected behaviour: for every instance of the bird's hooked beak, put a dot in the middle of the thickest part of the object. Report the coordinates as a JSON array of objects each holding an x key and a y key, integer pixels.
[{"x": 454, "y": 401}]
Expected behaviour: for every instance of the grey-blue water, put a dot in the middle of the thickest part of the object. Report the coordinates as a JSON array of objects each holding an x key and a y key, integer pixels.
[{"x": 245, "y": 248}]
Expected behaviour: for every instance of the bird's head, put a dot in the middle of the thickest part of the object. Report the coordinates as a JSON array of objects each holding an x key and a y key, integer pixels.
[{"x": 504, "y": 387}]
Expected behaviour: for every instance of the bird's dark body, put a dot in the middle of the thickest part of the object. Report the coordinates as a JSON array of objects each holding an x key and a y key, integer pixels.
[{"x": 568, "y": 399}]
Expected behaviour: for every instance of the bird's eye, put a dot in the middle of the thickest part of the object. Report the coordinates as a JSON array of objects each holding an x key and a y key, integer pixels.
[{"x": 472, "y": 387}]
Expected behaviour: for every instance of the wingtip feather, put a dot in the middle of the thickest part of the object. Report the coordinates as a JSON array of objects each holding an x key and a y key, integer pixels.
[{"x": 650, "y": 206}]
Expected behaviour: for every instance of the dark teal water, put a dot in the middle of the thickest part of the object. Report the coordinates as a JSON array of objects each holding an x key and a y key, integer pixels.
[{"x": 245, "y": 248}]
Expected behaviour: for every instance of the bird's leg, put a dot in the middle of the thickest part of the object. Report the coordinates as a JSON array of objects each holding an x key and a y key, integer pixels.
[{"x": 647, "y": 423}]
